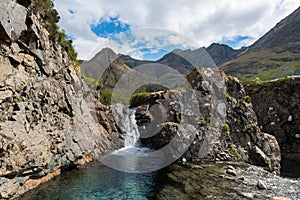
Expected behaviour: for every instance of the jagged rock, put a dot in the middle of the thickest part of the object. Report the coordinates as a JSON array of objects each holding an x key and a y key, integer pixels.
[
  {"x": 208, "y": 110},
  {"x": 13, "y": 20},
  {"x": 276, "y": 104},
  {"x": 46, "y": 123}
]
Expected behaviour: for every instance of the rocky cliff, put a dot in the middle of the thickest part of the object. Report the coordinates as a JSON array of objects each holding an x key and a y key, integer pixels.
[
  {"x": 48, "y": 117},
  {"x": 220, "y": 115},
  {"x": 276, "y": 104}
]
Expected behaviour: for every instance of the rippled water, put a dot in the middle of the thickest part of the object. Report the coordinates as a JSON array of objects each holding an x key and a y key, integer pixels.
[{"x": 96, "y": 181}]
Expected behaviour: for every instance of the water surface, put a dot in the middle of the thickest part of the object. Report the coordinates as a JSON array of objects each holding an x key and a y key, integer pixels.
[{"x": 95, "y": 181}]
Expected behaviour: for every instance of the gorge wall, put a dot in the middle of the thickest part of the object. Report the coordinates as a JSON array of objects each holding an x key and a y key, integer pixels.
[
  {"x": 233, "y": 135},
  {"x": 276, "y": 104},
  {"x": 49, "y": 120}
]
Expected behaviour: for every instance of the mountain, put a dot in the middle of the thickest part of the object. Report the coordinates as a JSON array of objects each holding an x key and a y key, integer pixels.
[
  {"x": 112, "y": 74},
  {"x": 95, "y": 67},
  {"x": 221, "y": 53},
  {"x": 100, "y": 67},
  {"x": 185, "y": 60},
  {"x": 275, "y": 55},
  {"x": 131, "y": 62}
]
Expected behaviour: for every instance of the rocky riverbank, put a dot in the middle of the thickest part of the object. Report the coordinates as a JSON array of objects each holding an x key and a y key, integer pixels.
[{"x": 225, "y": 180}]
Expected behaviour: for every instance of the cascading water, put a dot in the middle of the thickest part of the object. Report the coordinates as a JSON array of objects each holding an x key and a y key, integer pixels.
[
  {"x": 133, "y": 157},
  {"x": 131, "y": 129}
]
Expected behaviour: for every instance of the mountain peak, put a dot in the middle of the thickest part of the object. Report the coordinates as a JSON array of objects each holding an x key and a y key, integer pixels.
[
  {"x": 221, "y": 53},
  {"x": 274, "y": 55},
  {"x": 286, "y": 31},
  {"x": 197, "y": 58}
]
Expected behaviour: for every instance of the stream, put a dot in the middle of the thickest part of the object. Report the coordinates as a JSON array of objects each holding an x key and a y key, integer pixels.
[{"x": 97, "y": 181}]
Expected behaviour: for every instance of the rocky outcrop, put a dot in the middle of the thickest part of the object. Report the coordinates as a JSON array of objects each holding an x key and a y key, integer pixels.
[
  {"x": 48, "y": 117},
  {"x": 217, "y": 113},
  {"x": 276, "y": 104}
]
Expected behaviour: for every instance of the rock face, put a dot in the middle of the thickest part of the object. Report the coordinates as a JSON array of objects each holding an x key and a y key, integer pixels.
[
  {"x": 48, "y": 118},
  {"x": 224, "y": 123},
  {"x": 276, "y": 104}
]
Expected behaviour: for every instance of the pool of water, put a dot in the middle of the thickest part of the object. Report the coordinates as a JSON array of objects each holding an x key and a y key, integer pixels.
[
  {"x": 290, "y": 168},
  {"x": 95, "y": 181}
]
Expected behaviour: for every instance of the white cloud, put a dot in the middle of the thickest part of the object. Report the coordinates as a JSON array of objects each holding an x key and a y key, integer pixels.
[{"x": 200, "y": 20}]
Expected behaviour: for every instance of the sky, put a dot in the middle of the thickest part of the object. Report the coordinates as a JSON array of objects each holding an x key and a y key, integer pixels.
[{"x": 147, "y": 29}]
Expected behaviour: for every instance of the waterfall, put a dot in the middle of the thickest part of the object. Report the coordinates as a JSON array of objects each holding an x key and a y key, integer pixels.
[
  {"x": 132, "y": 132},
  {"x": 125, "y": 119}
]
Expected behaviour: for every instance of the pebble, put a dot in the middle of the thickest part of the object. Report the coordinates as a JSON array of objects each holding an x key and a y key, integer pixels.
[
  {"x": 297, "y": 136},
  {"x": 280, "y": 198},
  {"x": 261, "y": 185},
  {"x": 230, "y": 167},
  {"x": 231, "y": 172},
  {"x": 249, "y": 195}
]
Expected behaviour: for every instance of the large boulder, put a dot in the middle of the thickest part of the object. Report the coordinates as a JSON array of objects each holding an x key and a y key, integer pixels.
[{"x": 225, "y": 125}]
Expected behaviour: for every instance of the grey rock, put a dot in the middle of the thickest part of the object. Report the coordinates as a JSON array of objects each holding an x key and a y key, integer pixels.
[
  {"x": 231, "y": 171},
  {"x": 45, "y": 123},
  {"x": 13, "y": 17},
  {"x": 261, "y": 185}
]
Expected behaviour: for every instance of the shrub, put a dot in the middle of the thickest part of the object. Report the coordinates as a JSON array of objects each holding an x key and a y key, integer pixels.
[
  {"x": 233, "y": 151},
  {"x": 228, "y": 97},
  {"x": 247, "y": 99},
  {"x": 247, "y": 128},
  {"x": 105, "y": 96},
  {"x": 49, "y": 18},
  {"x": 225, "y": 128}
]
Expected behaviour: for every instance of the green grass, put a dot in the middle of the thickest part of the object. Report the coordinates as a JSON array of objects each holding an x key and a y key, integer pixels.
[
  {"x": 233, "y": 151},
  {"x": 265, "y": 64}
]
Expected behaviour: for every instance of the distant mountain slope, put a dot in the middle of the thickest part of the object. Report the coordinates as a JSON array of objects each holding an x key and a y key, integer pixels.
[
  {"x": 95, "y": 67},
  {"x": 131, "y": 62},
  {"x": 276, "y": 54},
  {"x": 185, "y": 60},
  {"x": 221, "y": 53}
]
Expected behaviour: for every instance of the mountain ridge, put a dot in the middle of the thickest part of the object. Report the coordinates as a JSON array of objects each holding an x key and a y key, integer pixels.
[{"x": 276, "y": 54}]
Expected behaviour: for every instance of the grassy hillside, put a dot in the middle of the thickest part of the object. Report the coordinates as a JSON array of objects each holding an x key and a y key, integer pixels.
[{"x": 275, "y": 55}]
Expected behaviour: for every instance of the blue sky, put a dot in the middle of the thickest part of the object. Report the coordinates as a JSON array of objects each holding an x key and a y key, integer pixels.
[
  {"x": 108, "y": 27},
  {"x": 147, "y": 29}
]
